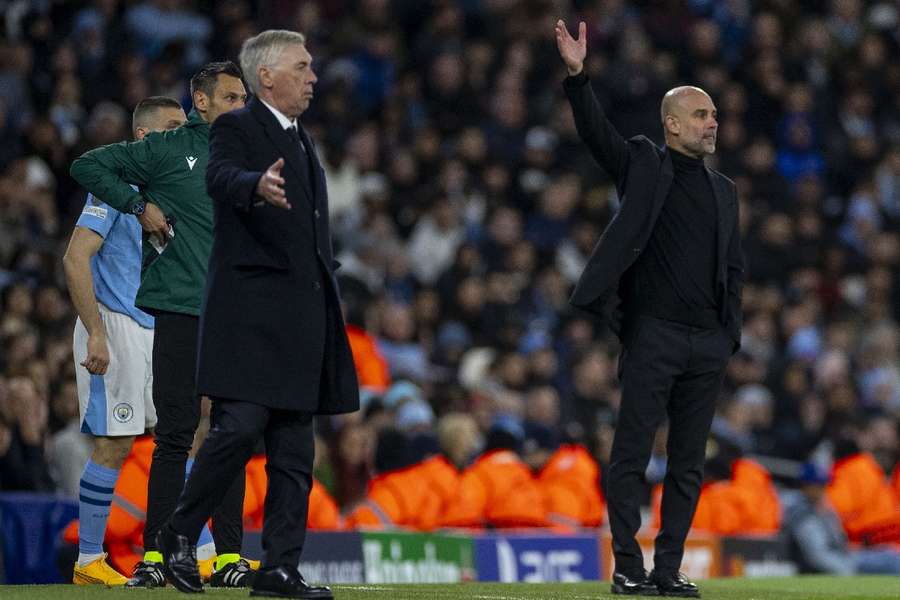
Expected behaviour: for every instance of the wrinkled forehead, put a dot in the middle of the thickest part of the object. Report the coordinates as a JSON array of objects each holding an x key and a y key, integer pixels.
[
  {"x": 691, "y": 100},
  {"x": 294, "y": 53},
  {"x": 229, "y": 84}
]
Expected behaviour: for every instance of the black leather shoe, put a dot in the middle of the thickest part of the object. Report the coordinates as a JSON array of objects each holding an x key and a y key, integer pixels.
[
  {"x": 179, "y": 561},
  {"x": 282, "y": 582},
  {"x": 635, "y": 585},
  {"x": 674, "y": 584}
]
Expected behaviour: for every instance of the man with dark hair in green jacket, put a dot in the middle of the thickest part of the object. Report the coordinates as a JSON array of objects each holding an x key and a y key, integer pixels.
[{"x": 176, "y": 214}]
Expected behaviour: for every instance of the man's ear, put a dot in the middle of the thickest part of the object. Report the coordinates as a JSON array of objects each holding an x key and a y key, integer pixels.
[
  {"x": 201, "y": 101},
  {"x": 672, "y": 125},
  {"x": 265, "y": 77},
  {"x": 140, "y": 132}
]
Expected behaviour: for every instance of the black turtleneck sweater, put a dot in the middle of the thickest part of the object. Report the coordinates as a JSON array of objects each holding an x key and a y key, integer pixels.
[{"x": 674, "y": 278}]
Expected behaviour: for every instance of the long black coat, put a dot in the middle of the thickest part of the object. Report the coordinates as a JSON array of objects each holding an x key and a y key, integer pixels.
[
  {"x": 271, "y": 330},
  {"x": 643, "y": 174}
]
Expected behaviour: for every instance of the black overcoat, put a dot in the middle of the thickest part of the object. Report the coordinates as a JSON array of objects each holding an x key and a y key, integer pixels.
[
  {"x": 643, "y": 173},
  {"x": 271, "y": 330}
]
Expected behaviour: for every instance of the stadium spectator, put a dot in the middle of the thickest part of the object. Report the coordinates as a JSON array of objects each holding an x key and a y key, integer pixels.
[
  {"x": 498, "y": 489},
  {"x": 862, "y": 497},
  {"x": 397, "y": 496},
  {"x": 568, "y": 477},
  {"x": 818, "y": 540},
  {"x": 738, "y": 496}
]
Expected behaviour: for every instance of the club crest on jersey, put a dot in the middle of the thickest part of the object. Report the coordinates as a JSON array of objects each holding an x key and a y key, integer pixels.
[{"x": 190, "y": 161}]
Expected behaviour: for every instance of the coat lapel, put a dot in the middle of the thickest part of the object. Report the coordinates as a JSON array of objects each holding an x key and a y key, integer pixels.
[
  {"x": 724, "y": 215},
  {"x": 282, "y": 141},
  {"x": 666, "y": 174}
]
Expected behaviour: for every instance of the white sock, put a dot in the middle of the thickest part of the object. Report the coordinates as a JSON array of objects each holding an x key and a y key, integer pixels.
[
  {"x": 206, "y": 551},
  {"x": 86, "y": 559}
]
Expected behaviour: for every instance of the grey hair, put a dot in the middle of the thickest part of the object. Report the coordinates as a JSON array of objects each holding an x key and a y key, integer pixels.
[{"x": 263, "y": 50}]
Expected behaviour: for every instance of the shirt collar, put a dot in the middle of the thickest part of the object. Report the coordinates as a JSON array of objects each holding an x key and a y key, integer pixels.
[
  {"x": 283, "y": 120},
  {"x": 195, "y": 119}
]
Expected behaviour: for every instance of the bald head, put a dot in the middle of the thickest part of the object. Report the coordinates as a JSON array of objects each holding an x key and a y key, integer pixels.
[
  {"x": 689, "y": 121},
  {"x": 677, "y": 100}
]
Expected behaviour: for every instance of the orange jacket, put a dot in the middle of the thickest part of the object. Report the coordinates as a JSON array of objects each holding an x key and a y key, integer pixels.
[
  {"x": 895, "y": 484},
  {"x": 570, "y": 481},
  {"x": 371, "y": 367},
  {"x": 745, "y": 504},
  {"x": 863, "y": 499},
  {"x": 498, "y": 489},
  {"x": 125, "y": 527},
  {"x": 720, "y": 509},
  {"x": 763, "y": 507},
  {"x": 438, "y": 474},
  {"x": 398, "y": 498},
  {"x": 323, "y": 511}
]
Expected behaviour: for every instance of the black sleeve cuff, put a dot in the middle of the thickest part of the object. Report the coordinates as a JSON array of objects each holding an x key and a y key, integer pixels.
[{"x": 576, "y": 80}]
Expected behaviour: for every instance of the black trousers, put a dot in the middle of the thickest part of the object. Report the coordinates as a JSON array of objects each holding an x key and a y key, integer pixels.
[
  {"x": 236, "y": 429},
  {"x": 667, "y": 370},
  {"x": 178, "y": 415}
]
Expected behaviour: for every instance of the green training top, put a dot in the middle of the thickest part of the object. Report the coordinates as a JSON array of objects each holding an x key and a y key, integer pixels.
[{"x": 170, "y": 169}]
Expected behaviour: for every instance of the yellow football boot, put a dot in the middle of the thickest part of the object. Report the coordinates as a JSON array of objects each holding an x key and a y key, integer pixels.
[{"x": 97, "y": 572}]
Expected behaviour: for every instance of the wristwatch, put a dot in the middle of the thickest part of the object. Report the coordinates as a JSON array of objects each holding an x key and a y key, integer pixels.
[{"x": 137, "y": 209}]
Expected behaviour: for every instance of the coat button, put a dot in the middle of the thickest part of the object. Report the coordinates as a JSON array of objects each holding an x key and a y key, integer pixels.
[
  {"x": 316, "y": 212},
  {"x": 317, "y": 286}
]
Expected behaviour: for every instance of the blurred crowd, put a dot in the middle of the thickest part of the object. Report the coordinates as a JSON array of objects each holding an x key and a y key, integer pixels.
[{"x": 464, "y": 208}]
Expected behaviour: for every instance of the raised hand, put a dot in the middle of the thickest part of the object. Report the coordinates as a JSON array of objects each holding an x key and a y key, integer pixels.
[
  {"x": 271, "y": 186},
  {"x": 572, "y": 50}
]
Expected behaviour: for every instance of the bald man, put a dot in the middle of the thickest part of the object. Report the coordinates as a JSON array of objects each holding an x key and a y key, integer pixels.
[{"x": 666, "y": 278}]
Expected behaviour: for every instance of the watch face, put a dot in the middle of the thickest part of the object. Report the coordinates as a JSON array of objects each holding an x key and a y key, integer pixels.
[{"x": 138, "y": 209}]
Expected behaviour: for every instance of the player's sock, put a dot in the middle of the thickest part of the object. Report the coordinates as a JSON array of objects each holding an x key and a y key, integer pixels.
[
  {"x": 205, "y": 535},
  {"x": 95, "y": 493},
  {"x": 153, "y": 556},
  {"x": 86, "y": 559},
  {"x": 206, "y": 551},
  {"x": 226, "y": 559}
]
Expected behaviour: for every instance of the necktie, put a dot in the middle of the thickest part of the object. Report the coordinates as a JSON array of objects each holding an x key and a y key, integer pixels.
[{"x": 295, "y": 135}]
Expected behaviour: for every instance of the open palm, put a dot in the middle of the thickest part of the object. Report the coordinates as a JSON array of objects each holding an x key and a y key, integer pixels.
[{"x": 572, "y": 50}]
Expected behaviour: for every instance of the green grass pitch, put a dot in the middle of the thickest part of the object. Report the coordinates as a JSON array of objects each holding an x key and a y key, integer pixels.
[{"x": 776, "y": 588}]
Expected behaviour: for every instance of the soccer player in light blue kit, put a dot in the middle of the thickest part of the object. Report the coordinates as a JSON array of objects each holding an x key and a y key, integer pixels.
[{"x": 112, "y": 345}]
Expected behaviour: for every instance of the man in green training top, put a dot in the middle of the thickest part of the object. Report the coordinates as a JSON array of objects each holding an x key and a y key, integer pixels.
[{"x": 176, "y": 214}]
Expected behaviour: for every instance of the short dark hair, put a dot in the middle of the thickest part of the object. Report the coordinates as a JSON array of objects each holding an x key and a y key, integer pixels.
[
  {"x": 149, "y": 105},
  {"x": 206, "y": 78}
]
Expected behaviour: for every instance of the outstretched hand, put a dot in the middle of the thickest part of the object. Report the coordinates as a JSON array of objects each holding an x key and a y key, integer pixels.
[
  {"x": 271, "y": 186},
  {"x": 572, "y": 50}
]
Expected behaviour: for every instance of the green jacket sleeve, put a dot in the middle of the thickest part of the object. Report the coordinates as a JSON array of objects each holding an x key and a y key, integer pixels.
[{"x": 108, "y": 171}]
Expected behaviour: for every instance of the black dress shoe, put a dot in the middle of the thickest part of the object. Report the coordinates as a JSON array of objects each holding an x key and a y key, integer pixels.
[
  {"x": 284, "y": 582},
  {"x": 636, "y": 584},
  {"x": 179, "y": 561},
  {"x": 674, "y": 584}
]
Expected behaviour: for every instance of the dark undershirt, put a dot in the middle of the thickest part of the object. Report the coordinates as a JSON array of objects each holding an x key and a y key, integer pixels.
[{"x": 675, "y": 275}]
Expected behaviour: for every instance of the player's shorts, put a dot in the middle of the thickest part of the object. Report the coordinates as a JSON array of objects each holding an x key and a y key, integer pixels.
[{"x": 120, "y": 402}]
